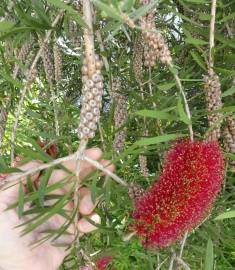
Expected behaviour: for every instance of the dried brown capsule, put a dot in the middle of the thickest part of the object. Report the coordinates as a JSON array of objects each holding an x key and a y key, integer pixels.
[
  {"x": 212, "y": 91},
  {"x": 229, "y": 137},
  {"x": 47, "y": 61},
  {"x": 135, "y": 191},
  {"x": 143, "y": 161},
  {"x": 138, "y": 59},
  {"x": 120, "y": 115},
  {"x": 156, "y": 47},
  {"x": 73, "y": 34},
  {"x": 23, "y": 54},
  {"x": 143, "y": 166},
  {"x": 58, "y": 63}
]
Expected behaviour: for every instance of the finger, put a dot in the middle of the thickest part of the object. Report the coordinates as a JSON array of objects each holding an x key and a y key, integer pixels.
[
  {"x": 84, "y": 226},
  {"x": 84, "y": 191},
  {"x": 86, "y": 205}
]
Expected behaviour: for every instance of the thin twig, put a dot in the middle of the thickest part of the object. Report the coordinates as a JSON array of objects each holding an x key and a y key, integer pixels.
[
  {"x": 178, "y": 82},
  {"x": 182, "y": 263},
  {"x": 183, "y": 244},
  {"x": 53, "y": 96},
  {"x": 171, "y": 265},
  {"x": 212, "y": 34},
  {"x": 161, "y": 264},
  {"x": 102, "y": 49},
  {"x": 106, "y": 171},
  {"x": 154, "y": 104},
  {"x": 24, "y": 91},
  {"x": 18, "y": 176}
]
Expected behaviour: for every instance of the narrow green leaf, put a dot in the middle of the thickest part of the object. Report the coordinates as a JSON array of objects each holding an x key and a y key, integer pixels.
[
  {"x": 108, "y": 184},
  {"x": 228, "y": 92},
  {"x": 183, "y": 116},
  {"x": 165, "y": 86},
  {"x": 197, "y": 1},
  {"x": 158, "y": 139},
  {"x": 20, "y": 200},
  {"x": 76, "y": 16},
  {"x": 128, "y": 4},
  {"x": 38, "y": 6},
  {"x": 43, "y": 184},
  {"x": 156, "y": 114},
  {"x": 195, "y": 41},
  {"x": 227, "y": 18},
  {"x": 198, "y": 59},
  {"x": 54, "y": 209},
  {"x": 94, "y": 188},
  {"x": 143, "y": 10},
  {"x": 110, "y": 11},
  {"x": 6, "y": 25},
  {"x": 209, "y": 259},
  {"x": 229, "y": 214},
  {"x": 230, "y": 155}
]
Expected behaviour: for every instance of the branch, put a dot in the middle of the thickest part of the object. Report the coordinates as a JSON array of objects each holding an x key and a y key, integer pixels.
[
  {"x": 212, "y": 34},
  {"x": 55, "y": 109},
  {"x": 27, "y": 85},
  {"x": 89, "y": 37},
  {"x": 182, "y": 263},
  {"x": 76, "y": 156},
  {"x": 183, "y": 244},
  {"x": 178, "y": 82},
  {"x": 173, "y": 257},
  {"x": 18, "y": 176},
  {"x": 102, "y": 49},
  {"x": 106, "y": 171}
]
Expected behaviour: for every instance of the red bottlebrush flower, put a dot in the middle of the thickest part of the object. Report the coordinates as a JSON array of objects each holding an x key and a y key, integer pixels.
[
  {"x": 103, "y": 262},
  {"x": 183, "y": 196}
]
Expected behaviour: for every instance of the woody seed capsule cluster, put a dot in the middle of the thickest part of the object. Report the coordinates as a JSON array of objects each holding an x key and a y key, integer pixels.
[
  {"x": 91, "y": 100},
  {"x": 156, "y": 47},
  {"x": 120, "y": 116},
  {"x": 47, "y": 61},
  {"x": 212, "y": 89},
  {"x": 23, "y": 53},
  {"x": 135, "y": 191},
  {"x": 229, "y": 136},
  {"x": 143, "y": 161},
  {"x": 73, "y": 34},
  {"x": 57, "y": 63},
  {"x": 143, "y": 166},
  {"x": 138, "y": 59}
]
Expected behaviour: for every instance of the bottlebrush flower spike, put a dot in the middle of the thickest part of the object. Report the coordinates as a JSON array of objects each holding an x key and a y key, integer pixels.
[{"x": 183, "y": 196}]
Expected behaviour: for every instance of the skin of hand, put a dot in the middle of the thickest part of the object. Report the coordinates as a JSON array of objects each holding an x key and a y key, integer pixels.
[{"x": 15, "y": 251}]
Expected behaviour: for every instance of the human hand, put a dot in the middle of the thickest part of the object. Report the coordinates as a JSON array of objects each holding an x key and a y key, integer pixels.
[{"x": 15, "y": 251}]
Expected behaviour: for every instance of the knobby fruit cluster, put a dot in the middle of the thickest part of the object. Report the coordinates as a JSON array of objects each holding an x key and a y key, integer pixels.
[{"x": 92, "y": 92}]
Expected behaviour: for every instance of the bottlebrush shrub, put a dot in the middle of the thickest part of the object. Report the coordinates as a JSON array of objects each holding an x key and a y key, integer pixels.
[{"x": 183, "y": 196}]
